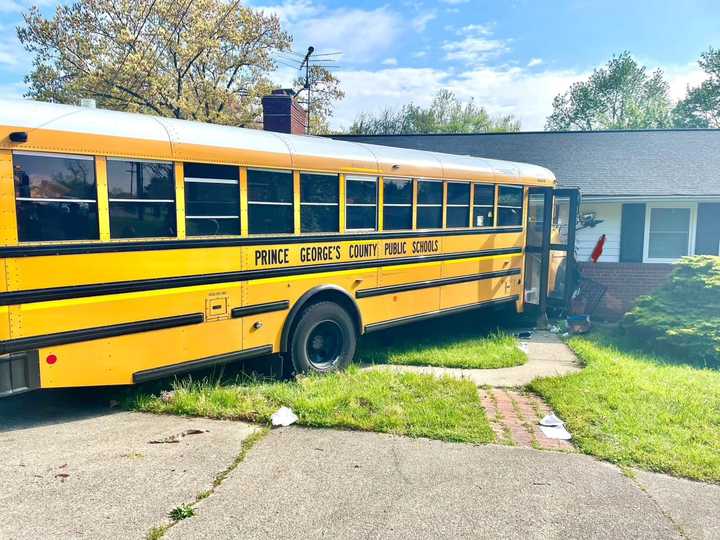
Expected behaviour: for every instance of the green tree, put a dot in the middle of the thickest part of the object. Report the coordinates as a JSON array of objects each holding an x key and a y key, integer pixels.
[
  {"x": 621, "y": 95},
  {"x": 206, "y": 60},
  {"x": 446, "y": 114},
  {"x": 701, "y": 106},
  {"x": 323, "y": 92}
]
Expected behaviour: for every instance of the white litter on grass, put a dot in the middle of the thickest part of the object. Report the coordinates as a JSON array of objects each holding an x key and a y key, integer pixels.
[
  {"x": 554, "y": 428},
  {"x": 523, "y": 346},
  {"x": 283, "y": 417}
]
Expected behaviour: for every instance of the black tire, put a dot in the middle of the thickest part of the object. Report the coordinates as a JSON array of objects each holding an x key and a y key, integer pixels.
[{"x": 323, "y": 340}]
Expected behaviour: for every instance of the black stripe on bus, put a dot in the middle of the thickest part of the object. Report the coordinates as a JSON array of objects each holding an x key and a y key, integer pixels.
[
  {"x": 100, "y": 332},
  {"x": 166, "y": 371},
  {"x": 441, "y": 313},
  {"x": 379, "y": 291},
  {"x": 119, "y": 287},
  {"x": 157, "y": 245},
  {"x": 256, "y": 309}
]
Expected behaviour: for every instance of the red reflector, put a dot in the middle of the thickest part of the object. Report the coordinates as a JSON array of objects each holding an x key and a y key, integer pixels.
[{"x": 51, "y": 359}]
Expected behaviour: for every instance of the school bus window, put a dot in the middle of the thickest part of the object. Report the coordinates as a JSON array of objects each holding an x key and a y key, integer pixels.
[
  {"x": 142, "y": 198},
  {"x": 458, "y": 204},
  {"x": 55, "y": 197},
  {"x": 397, "y": 204},
  {"x": 483, "y": 205},
  {"x": 510, "y": 205},
  {"x": 360, "y": 203},
  {"x": 319, "y": 202},
  {"x": 429, "y": 204},
  {"x": 212, "y": 199},
  {"x": 270, "y": 202}
]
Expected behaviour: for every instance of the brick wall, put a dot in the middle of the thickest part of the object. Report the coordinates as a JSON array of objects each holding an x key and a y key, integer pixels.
[{"x": 625, "y": 282}]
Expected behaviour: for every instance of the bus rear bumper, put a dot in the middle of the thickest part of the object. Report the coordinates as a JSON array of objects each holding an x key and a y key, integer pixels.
[{"x": 19, "y": 372}]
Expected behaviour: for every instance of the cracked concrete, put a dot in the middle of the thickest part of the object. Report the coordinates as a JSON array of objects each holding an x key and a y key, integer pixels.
[
  {"x": 303, "y": 483},
  {"x": 93, "y": 473}
]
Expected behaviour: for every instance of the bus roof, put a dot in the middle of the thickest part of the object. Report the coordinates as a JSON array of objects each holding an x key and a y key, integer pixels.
[{"x": 71, "y": 129}]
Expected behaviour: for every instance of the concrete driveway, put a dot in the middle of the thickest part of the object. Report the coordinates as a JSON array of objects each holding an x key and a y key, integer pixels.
[{"x": 73, "y": 468}]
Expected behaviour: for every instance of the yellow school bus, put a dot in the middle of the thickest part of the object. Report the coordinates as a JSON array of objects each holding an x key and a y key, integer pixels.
[{"x": 133, "y": 247}]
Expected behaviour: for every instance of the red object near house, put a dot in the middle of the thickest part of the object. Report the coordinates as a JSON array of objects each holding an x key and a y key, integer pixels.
[{"x": 595, "y": 255}]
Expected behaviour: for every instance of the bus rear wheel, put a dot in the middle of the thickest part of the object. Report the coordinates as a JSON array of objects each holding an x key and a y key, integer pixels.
[{"x": 324, "y": 339}]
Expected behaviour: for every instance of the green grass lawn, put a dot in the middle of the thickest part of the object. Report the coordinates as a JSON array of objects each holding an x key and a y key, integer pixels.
[
  {"x": 636, "y": 409},
  {"x": 465, "y": 341},
  {"x": 368, "y": 400}
]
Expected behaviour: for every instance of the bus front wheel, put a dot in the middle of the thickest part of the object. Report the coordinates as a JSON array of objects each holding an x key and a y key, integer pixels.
[{"x": 323, "y": 340}]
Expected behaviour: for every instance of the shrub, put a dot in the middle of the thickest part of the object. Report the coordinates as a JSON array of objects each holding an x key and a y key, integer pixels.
[{"x": 683, "y": 315}]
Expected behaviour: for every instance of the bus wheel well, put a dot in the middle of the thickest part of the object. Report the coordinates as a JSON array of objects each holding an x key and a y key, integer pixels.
[{"x": 326, "y": 293}]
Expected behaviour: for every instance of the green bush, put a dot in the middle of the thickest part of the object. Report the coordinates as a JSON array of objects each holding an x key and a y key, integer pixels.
[{"x": 683, "y": 315}]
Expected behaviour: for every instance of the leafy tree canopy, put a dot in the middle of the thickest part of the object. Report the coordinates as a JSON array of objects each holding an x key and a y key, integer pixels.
[
  {"x": 620, "y": 95},
  {"x": 204, "y": 60},
  {"x": 446, "y": 114},
  {"x": 701, "y": 106}
]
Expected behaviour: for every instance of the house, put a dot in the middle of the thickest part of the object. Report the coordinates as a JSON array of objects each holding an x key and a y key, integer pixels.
[{"x": 654, "y": 194}]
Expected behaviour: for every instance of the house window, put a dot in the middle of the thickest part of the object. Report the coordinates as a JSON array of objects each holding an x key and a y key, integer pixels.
[{"x": 669, "y": 233}]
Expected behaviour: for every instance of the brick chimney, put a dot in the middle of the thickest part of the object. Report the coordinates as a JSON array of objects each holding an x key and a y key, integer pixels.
[{"x": 281, "y": 113}]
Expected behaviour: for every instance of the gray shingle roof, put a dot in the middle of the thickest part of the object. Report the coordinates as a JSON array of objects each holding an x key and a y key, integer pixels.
[{"x": 608, "y": 163}]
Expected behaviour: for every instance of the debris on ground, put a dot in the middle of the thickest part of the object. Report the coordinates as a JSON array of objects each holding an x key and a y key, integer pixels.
[
  {"x": 525, "y": 334},
  {"x": 284, "y": 416},
  {"x": 523, "y": 346},
  {"x": 554, "y": 428},
  {"x": 166, "y": 396},
  {"x": 176, "y": 438}
]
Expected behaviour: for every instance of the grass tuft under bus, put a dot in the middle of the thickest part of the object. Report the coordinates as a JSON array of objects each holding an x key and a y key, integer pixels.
[
  {"x": 367, "y": 400},
  {"x": 465, "y": 341}
]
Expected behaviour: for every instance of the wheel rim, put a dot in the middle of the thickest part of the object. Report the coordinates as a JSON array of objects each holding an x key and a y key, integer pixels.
[{"x": 324, "y": 344}]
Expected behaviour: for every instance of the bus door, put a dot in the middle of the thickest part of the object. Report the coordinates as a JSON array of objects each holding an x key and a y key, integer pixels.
[
  {"x": 537, "y": 247},
  {"x": 562, "y": 274},
  {"x": 550, "y": 247}
]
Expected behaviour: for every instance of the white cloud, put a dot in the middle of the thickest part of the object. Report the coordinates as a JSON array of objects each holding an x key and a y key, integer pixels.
[
  {"x": 454, "y": 2},
  {"x": 420, "y": 22},
  {"x": 534, "y": 62},
  {"x": 527, "y": 95},
  {"x": 682, "y": 76},
  {"x": 392, "y": 61},
  {"x": 362, "y": 35},
  {"x": 475, "y": 46}
]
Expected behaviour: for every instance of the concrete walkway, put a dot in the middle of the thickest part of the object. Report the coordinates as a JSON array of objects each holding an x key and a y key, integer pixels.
[
  {"x": 301, "y": 483},
  {"x": 90, "y": 473},
  {"x": 547, "y": 356}
]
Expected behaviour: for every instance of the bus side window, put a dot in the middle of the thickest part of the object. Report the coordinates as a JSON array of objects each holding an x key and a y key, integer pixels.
[
  {"x": 429, "y": 204},
  {"x": 397, "y": 204},
  {"x": 212, "y": 199},
  {"x": 360, "y": 203},
  {"x": 483, "y": 205},
  {"x": 319, "y": 202},
  {"x": 55, "y": 197},
  {"x": 510, "y": 205},
  {"x": 270, "y": 201},
  {"x": 458, "y": 204},
  {"x": 142, "y": 198}
]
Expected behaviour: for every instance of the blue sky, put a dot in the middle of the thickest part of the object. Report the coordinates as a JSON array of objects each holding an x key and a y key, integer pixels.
[{"x": 511, "y": 56}]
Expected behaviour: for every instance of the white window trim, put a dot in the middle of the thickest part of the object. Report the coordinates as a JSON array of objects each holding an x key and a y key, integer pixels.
[{"x": 691, "y": 233}]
